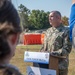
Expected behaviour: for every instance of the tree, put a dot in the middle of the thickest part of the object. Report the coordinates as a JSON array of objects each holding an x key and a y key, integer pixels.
[
  {"x": 38, "y": 19},
  {"x": 65, "y": 21},
  {"x": 24, "y": 12}
]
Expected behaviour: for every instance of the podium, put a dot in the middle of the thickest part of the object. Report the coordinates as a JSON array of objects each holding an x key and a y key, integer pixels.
[
  {"x": 53, "y": 62},
  {"x": 44, "y": 60}
]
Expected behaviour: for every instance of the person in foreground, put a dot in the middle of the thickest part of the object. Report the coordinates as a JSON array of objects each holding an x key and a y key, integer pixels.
[
  {"x": 57, "y": 42},
  {"x": 9, "y": 35},
  {"x": 72, "y": 23}
]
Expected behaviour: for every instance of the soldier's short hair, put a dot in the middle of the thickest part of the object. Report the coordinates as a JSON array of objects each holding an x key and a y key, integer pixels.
[{"x": 56, "y": 12}]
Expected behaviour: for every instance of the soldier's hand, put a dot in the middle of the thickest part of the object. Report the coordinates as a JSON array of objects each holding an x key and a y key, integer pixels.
[
  {"x": 43, "y": 51},
  {"x": 54, "y": 53}
]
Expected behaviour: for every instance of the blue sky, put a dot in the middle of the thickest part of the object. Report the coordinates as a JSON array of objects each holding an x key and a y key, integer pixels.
[{"x": 47, "y": 5}]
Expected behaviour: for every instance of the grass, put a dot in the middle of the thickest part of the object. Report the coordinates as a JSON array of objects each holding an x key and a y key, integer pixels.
[{"x": 18, "y": 59}]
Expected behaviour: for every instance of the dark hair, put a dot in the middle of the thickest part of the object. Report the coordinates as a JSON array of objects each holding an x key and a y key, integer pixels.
[
  {"x": 56, "y": 12},
  {"x": 9, "y": 24}
]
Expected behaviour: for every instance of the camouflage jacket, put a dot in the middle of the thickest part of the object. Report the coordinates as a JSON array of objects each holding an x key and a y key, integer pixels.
[
  {"x": 9, "y": 70},
  {"x": 57, "y": 40}
]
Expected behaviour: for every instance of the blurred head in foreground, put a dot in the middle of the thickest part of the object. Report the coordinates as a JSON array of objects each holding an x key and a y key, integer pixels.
[
  {"x": 9, "y": 30},
  {"x": 9, "y": 35}
]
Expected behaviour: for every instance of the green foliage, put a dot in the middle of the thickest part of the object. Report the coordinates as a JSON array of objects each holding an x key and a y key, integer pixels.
[
  {"x": 65, "y": 21},
  {"x": 39, "y": 19},
  {"x": 24, "y": 12},
  {"x": 36, "y": 19}
]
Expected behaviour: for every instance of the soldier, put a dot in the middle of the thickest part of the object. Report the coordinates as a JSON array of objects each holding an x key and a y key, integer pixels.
[
  {"x": 72, "y": 23},
  {"x": 57, "y": 42},
  {"x": 9, "y": 33}
]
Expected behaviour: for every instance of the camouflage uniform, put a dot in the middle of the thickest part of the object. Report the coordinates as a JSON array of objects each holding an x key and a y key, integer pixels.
[
  {"x": 57, "y": 41},
  {"x": 9, "y": 70}
]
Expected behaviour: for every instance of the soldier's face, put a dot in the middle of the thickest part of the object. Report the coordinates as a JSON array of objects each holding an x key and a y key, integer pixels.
[{"x": 53, "y": 20}]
